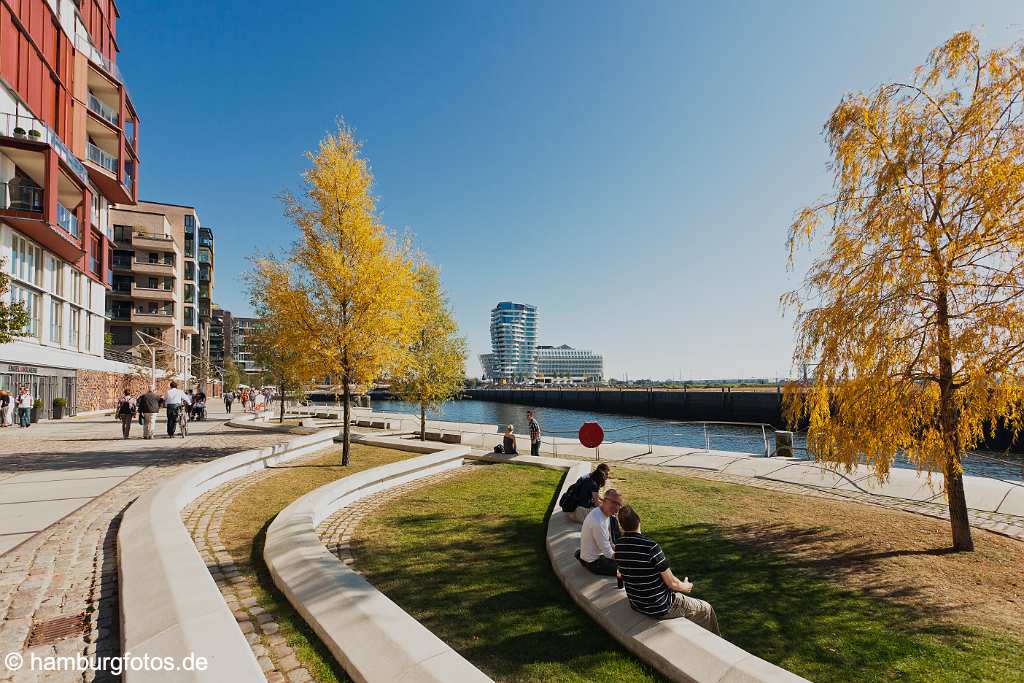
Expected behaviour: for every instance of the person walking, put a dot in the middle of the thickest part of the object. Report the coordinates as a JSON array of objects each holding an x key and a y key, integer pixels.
[
  {"x": 148, "y": 406},
  {"x": 229, "y": 398},
  {"x": 245, "y": 400},
  {"x": 534, "y": 433},
  {"x": 126, "y": 413},
  {"x": 5, "y": 404},
  {"x": 24, "y": 403},
  {"x": 173, "y": 401}
]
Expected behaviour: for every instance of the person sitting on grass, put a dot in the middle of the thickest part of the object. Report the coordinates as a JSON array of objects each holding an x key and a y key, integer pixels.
[
  {"x": 650, "y": 585},
  {"x": 597, "y": 552},
  {"x": 584, "y": 495}
]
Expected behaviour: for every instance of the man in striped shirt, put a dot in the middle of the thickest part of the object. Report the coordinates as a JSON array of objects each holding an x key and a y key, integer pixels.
[{"x": 651, "y": 586}]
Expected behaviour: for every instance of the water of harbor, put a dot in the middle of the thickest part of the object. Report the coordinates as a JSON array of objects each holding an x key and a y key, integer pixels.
[{"x": 629, "y": 428}]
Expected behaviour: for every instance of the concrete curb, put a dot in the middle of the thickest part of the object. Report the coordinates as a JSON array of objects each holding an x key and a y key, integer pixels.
[
  {"x": 368, "y": 634},
  {"x": 679, "y": 649},
  {"x": 170, "y": 605}
]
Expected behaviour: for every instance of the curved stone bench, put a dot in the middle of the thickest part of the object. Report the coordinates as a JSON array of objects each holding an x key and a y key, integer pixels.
[
  {"x": 368, "y": 634},
  {"x": 678, "y": 648},
  {"x": 170, "y": 605}
]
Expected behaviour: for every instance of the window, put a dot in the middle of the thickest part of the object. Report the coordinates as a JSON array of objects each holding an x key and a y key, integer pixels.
[
  {"x": 96, "y": 209},
  {"x": 88, "y": 331},
  {"x": 95, "y": 256},
  {"x": 26, "y": 260},
  {"x": 123, "y": 233},
  {"x": 31, "y": 301},
  {"x": 190, "y": 270},
  {"x": 76, "y": 287},
  {"x": 73, "y": 339},
  {"x": 154, "y": 257},
  {"x": 56, "y": 268},
  {"x": 56, "y": 322}
]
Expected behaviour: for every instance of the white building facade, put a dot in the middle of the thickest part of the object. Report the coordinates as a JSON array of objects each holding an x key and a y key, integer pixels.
[{"x": 564, "y": 364}]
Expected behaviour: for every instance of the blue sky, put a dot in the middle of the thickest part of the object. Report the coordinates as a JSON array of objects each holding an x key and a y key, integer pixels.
[{"x": 629, "y": 168}]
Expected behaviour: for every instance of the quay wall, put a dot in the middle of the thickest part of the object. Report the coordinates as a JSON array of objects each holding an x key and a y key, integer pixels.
[{"x": 722, "y": 404}]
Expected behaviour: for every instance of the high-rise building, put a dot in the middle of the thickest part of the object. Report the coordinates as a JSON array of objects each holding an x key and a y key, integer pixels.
[
  {"x": 146, "y": 299},
  {"x": 68, "y": 141},
  {"x": 220, "y": 336},
  {"x": 565, "y": 364},
  {"x": 241, "y": 351},
  {"x": 513, "y": 343},
  {"x": 201, "y": 343}
]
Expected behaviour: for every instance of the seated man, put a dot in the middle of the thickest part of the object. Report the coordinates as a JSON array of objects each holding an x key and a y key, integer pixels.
[
  {"x": 651, "y": 586},
  {"x": 584, "y": 495},
  {"x": 596, "y": 551}
]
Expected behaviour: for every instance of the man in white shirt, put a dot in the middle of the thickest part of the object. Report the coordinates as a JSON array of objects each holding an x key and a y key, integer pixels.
[
  {"x": 173, "y": 400},
  {"x": 596, "y": 551},
  {"x": 24, "y": 408}
]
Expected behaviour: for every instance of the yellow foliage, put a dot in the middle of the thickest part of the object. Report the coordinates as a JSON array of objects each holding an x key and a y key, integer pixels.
[{"x": 913, "y": 316}]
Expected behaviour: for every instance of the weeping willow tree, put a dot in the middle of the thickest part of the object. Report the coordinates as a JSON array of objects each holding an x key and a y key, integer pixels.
[{"x": 913, "y": 307}]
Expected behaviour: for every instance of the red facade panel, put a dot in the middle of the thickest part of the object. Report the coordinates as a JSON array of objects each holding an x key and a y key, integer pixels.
[{"x": 9, "y": 39}]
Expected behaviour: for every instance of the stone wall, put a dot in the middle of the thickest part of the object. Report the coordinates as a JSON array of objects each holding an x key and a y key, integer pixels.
[{"x": 98, "y": 390}]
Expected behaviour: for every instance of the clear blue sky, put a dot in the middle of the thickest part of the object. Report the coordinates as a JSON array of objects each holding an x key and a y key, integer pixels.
[{"x": 630, "y": 168}]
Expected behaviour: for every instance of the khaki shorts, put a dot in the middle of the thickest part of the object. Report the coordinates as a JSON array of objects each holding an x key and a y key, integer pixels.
[{"x": 699, "y": 612}]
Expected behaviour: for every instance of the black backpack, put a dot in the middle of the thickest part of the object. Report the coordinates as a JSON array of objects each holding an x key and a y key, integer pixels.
[{"x": 570, "y": 500}]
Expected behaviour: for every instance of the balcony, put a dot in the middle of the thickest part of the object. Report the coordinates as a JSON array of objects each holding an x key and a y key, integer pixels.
[
  {"x": 151, "y": 294},
  {"x": 101, "y": 158},
  {"x": 20, "y": 197},
  {"x": 145, "y": 267},
  {"x": 98, "y": 107},
  {"x": 31, "y": 129},
  {"x": 68, "y": 221},
  {"x": 150, "y": 242},
  {"x": 158, "y": 318}
]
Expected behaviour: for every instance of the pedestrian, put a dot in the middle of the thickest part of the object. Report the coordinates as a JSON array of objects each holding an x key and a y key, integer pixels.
[
  {"x": 173, "y": 400},
  {"x": 534, "y": 433},
  {"x": 24, "y": 407},
  {"x": 245, "y": 400},
  {"x": 229, "y": 398},
  {"x": 126, "y": 409},
  {"x": 148, "y": 406},
  {"x": 5, "y": 403}
]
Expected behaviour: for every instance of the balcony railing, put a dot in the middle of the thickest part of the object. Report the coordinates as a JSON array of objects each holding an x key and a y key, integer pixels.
[
  {"x": 97, "y": 105},
  {"x": 22, "y": 125},
  {"x": 128, "y": 182},
  {"x": 22, "y": 197},
  {"x": 96, "y": 57},
  {"x": 98, "y": 156},
  {"x": 68, "y": 221}
]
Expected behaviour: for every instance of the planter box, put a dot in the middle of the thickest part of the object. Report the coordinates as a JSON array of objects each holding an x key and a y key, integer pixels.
[{"x": 58, "y": 412}]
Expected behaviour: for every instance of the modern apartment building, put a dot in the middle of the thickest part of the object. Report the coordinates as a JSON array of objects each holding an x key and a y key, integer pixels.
[
  {"x": 68, "y": 141},
  {"x": 220, "y": 336},
  {"x": 513, "y": 343},
  {"x": 564, "y": 364},
  {"x": 241, "y": 350},
  {"x": 147, "y": 296},
  {"x": 204, "y": 268}
]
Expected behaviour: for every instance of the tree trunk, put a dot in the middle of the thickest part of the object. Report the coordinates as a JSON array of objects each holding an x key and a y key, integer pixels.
[
  {"x": 948, "y": 419},
  {"x": 423, "y": 421},
  {"x": 283, "y": 392},
  {"x": 346, "y": 435}
]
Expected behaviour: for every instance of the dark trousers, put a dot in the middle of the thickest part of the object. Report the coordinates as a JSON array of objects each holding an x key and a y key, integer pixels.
[
  {"x": 535, "y": 447},
  {"x": 172, "y": 419},
  {"x": 227, "y": 406},
  {"x": 24, "y": 417},
  {"x": 126, "y": 424},
  {"x": 605, "y": 566}
]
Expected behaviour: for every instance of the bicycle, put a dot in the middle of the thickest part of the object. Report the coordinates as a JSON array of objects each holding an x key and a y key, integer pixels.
[{"x": 183, "y": 421}]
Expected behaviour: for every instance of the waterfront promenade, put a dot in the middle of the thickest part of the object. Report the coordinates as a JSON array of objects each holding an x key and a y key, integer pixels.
[{"x": 63, "y": 487}]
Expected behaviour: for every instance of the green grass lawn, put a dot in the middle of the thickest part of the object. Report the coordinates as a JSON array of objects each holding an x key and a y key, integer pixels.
[{"x": 467, "y": 559}]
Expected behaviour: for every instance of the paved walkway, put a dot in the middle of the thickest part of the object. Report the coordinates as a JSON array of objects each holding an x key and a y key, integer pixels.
[{"x": 63, "y": 487}]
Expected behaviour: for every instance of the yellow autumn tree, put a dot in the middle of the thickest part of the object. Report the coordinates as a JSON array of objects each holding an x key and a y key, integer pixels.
[
  {"x": 345, "y": 296},
  {"x": 437, "y": 357},
  {"x": 913, "y": 311}
]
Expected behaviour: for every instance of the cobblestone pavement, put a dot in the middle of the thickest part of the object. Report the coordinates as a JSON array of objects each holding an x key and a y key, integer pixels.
[
  {"x": 203, "y": 519},
  {"x": 68, "y": 571}
]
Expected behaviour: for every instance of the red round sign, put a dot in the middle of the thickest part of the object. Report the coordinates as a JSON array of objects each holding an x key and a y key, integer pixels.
[{"x": 591, "y": 434}]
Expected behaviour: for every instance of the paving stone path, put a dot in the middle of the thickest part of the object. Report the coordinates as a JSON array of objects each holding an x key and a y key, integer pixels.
[
  {"x": 59, "y": 586},
  {"x": 203, "y": 520}
]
